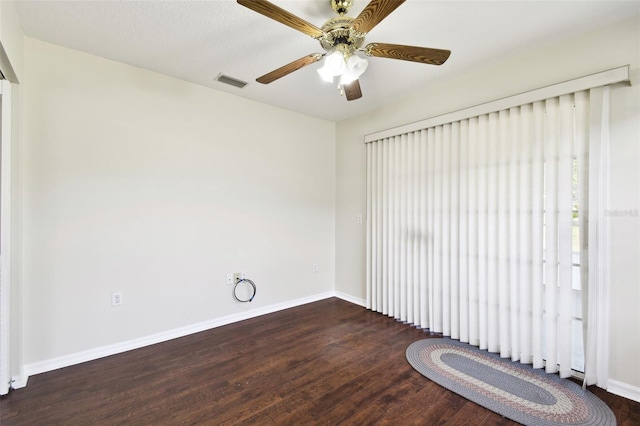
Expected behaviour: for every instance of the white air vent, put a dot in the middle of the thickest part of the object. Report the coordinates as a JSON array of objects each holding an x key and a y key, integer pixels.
[{"x": 232, "y": 81}]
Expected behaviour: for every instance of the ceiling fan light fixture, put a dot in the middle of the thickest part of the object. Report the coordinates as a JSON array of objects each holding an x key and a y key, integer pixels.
[
  {"x": 325, "y": 73},
  {"x": 335, "y": 63},
  {"x": 341, "y": 37},
  {"x": 347, "y": 77},
  {"x": 356, "y": 65}
]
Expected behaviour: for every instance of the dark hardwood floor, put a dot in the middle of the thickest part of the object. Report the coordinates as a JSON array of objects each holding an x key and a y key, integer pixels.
[{"x": 329, "y": 362}]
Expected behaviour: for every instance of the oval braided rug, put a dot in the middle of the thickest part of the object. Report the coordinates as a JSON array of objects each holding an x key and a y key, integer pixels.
[{"x": 511, "y": 389}]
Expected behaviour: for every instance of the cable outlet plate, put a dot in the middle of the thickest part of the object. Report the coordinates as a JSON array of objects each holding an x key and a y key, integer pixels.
[{"x": 234, "y": 277}]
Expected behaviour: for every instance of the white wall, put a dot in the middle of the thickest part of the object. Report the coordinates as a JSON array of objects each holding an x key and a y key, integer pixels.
[
  {"x": 598, "y": 51},
  {"x": 145, "y": 184}
]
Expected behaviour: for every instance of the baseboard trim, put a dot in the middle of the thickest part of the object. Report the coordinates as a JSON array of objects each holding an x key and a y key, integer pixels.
[
  {"x": 624, "y": 390},
  {"x": 18, "y": 382},
  {"x": 350, "y": 298},
  {"x": 108, "y": 350}
]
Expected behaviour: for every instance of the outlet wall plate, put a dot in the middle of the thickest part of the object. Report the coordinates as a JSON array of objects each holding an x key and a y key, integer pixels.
[{"x": 116, "y": 298}]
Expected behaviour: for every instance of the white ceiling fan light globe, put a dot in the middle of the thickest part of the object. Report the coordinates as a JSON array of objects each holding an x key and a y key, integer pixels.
[
  {"x": 348, "y": 77},
  {"x": 335, "y": 63},
  {"x": 357, "y": 65},
  {"x": 325, "y": 73}
]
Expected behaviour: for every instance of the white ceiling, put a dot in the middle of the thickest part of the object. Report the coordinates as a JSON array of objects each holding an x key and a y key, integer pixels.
[{"x": 197, "y": 40}]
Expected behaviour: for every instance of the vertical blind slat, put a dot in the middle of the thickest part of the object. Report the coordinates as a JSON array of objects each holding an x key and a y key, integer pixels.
[
  {"x": 391, "y": 255},
  {"x": 407, "y": 268},
  {"x": 464, "y": 231},
  {"x": 416, "y": 230},
  {"x": 582, "y": 158},
  {"x": 551, "y": 236},
  {"x": 424, "y": 294},
  {"x": 473, "y": 317},
  {"x": 514, "y": 228},
  {"x": 454, "y": 215},
  {"x": 565, "y": 225},
  {"x": 402, "y": 211},
  {"x": 503, "y": 233},
  {"x": 445, "y": 143},
  {"x": 437, "y": 231},
  {"x": 493, "y": 207},
  {"x": 384, "y": 256},
  {"x": 430, "y": 228},
  {"x": 397, "y": 166},
  {"x": 482, "y": 230},
  {"x": 537, "y": 223},
  {"x": 525, "y": 234}
]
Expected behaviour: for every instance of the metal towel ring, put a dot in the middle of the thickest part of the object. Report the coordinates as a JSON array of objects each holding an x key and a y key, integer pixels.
[{"x": 236, "y": 286}]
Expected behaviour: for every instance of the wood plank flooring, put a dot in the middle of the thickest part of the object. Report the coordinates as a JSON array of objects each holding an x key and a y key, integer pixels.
[{"x": 329, "y": 362}]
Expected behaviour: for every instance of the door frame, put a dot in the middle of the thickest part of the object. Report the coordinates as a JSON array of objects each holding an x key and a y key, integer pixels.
[{"x": 5, "y": 236}]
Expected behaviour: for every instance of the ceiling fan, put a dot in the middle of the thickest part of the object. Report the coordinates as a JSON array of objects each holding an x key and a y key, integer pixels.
[{"x": 341, "y": 37}]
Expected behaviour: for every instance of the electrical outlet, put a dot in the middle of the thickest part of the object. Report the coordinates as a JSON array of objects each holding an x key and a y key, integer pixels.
[
  {"x": 229, "y": 278},
  {"x": 116, "y": 298},
  {"x": 315, "y": 267},
  {"x": 359, "y": 218}
]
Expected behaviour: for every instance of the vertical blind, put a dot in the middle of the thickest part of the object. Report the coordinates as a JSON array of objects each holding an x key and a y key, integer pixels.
[{"x": 470, "y": 227}]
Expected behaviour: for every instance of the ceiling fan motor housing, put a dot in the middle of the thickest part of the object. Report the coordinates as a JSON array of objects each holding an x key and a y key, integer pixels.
[{"x": 340, "y": 36}]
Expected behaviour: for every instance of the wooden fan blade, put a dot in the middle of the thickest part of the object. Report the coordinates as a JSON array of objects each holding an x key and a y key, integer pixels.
[
  {"x": 289, "y": 68},
  {"x": 424, "y": 55},
  {"x": 375, "y": 12},
  {"x": 352, "y": 90},
  {"x": 276, "y": 13}
]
